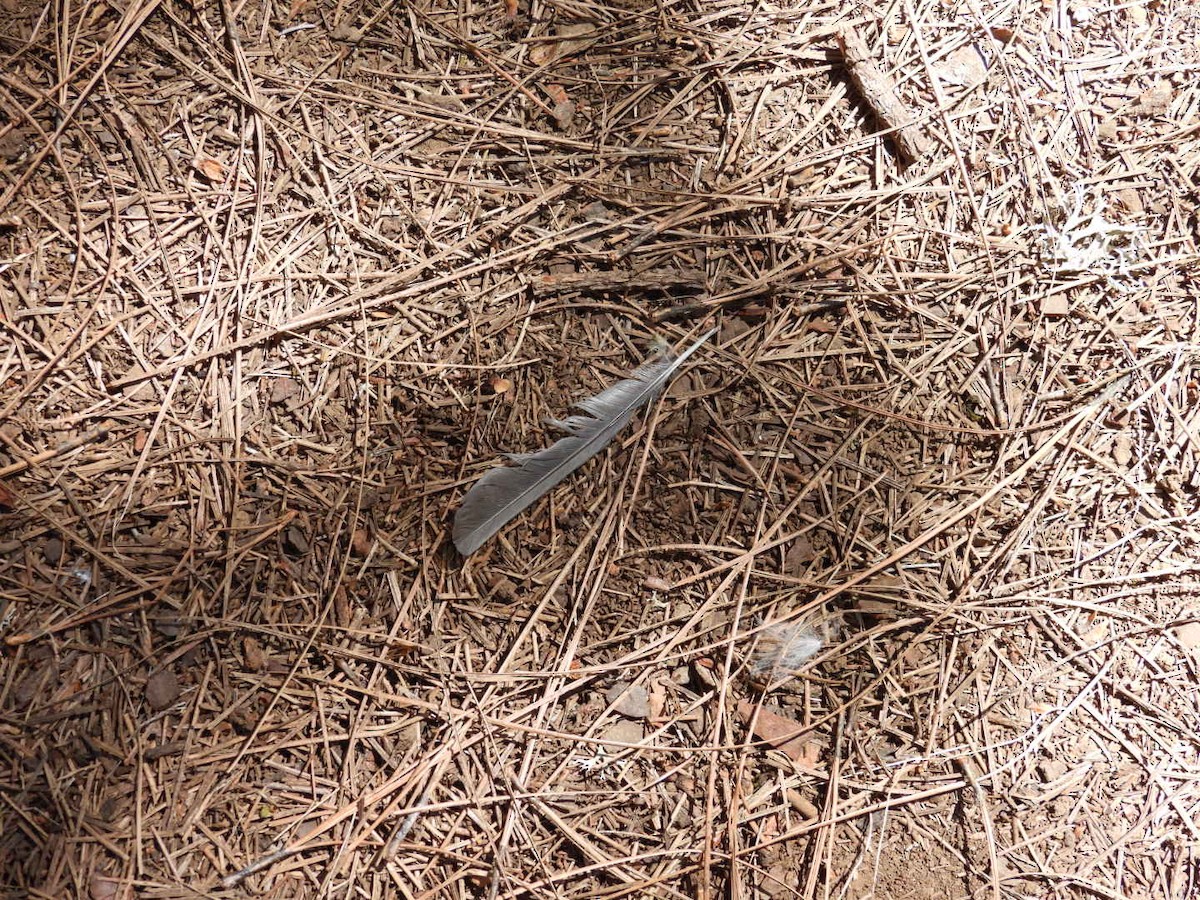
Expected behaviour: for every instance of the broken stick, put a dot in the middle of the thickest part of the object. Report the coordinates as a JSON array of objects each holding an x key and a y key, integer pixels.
[{"x": 879, "y": 93}]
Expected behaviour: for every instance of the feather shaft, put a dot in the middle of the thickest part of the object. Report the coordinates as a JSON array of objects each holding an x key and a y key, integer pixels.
[{"x": 506, "y": 491}]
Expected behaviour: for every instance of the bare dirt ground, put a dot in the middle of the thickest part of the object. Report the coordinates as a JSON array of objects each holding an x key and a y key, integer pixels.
[{"x": 279, "y": 283}]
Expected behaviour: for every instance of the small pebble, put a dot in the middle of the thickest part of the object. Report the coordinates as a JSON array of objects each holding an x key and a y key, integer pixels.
[
  {"x": 162, "y": 689},
  {"x": 623, "y": 732},
  {"x": 1188, "y": 635},
  {"x": 631, "y": 700},
  {"x": 102, "y": 887}
]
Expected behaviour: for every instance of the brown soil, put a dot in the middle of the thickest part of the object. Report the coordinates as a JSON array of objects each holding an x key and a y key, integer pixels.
[{"x": 279, "y": 283}]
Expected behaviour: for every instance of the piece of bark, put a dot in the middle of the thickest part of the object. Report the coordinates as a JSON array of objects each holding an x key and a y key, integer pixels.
[
  {"x": 617, "y": 282},
  {"x": 879, "y": 93}
]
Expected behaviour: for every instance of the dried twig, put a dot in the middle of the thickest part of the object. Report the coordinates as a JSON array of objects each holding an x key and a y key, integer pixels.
[{"x": 879, "y": 93}]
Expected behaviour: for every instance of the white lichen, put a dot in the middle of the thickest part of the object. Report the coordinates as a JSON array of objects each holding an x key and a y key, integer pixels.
[
  {"x": 594, "y": 765},
  {"x": 1087, "y": 243}
]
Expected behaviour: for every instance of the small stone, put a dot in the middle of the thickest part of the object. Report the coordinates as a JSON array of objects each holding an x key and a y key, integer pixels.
[
  {"x": 1107, "y": 129},
  {"x": 1056, "y": 305},
  {"x": 53, "y": 550},
  {"x": 295, "y": 541},
  {"x": 631, "y": 700},
  {"x": 623, "y": 732},
  {"x": 102, "y": 887},
  {"x": 162, "y": 689},
  {"x": 1189, "y": 634}
]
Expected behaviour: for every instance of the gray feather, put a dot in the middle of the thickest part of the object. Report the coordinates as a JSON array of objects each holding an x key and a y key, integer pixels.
[{"x": 507, "y": 490}]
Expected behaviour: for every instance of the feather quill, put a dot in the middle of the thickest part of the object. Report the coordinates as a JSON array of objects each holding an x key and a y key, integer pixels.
[{"x": 505, "y": 491}]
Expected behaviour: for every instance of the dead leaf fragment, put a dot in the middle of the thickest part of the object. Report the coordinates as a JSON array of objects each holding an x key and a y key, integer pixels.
[
  {"x": 1106, "y": 130},
  {"x": 1123, "y": 450},
  {"x": 801, "y": 804},
  {"x": 780, "y": 732},
  {"x": 8, "y": 499},
  {"x": 210, "y": 168},
  {"x": 1157, "y": 98},
  {"x": 964, "y": 66},
  {"x": 563, "y": 112},
  {"x": 346, "y": 32},
  {"x": 568, "y": 43},
  {"x": 799, "y": 555},
  {"x": 255, "y": 658},
  {"x": 103, "y": 887},
  {"x": 1081, "y": 14},
  {"x": 624, "y": 732},
  {"x": 360, "y": 543}
]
